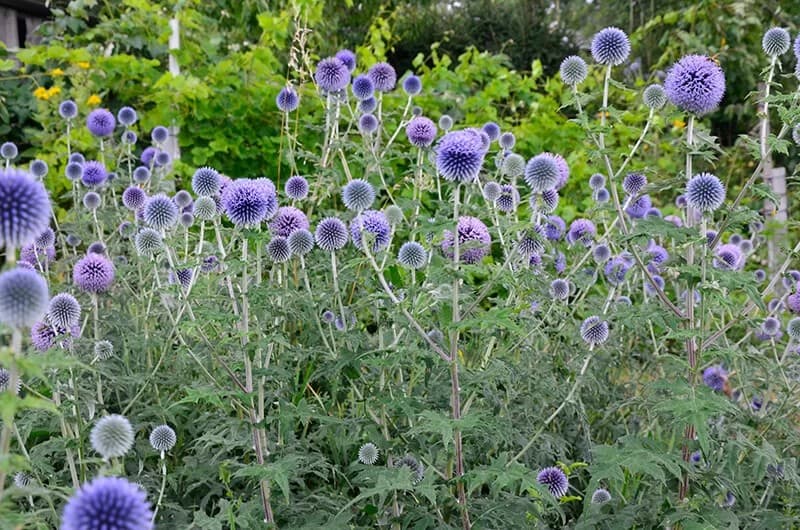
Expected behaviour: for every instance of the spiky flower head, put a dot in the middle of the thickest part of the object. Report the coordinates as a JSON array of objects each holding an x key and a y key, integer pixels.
[
  {"x": 103, "y": 350},
  {"x": 287, "y": 220},
  {"x": 287, "y": 99},
  {"x": 129, "y": 137},
  {"x": 362, "y": 87},
  {"x": 633, "y": 183},
  {"x": 331, "y": 234},
  {"x": 247, "y": 203},
  {"x": 616, "y": 269},
  {"x": 421, "y": 131},
  {"x": 541, "y": 173},
  {"x": 205, "y": 208},
  {"x": 413, "y": 465},
  {"x": 5, "y": 381},
  {"x": 705, "y": 192},
  {"x": 101, "y": 123},
  {"x": 695, "y": 84},
  {"x": 776, "y": 41},
  {"x": 162, "y": 158},
  {"x": 206, "y": 181},
  {"x": 141, "y": 174},
  {"x": 513, "y": 165},
  {"x": 383, "y": 76},
  {"x": 94, "y": 273},
  {"x": 601, "y": 253},
  {"x": 91, "y": 200},
  {"x": 365, "y": 106},
  {"x": 729, "y": 257},
  {"x": 559, "y": 289},
  {"x": 43, "y": 336},
  {"x": 610, "y": 46},
  {"x": 491, "y": 191},
  {"x": 474, "y": 241},
  {"x": 601, "y": 195},
  {"x": 638, "y": 209},
  {"x": 793, "y": 329},
  {"x": 358, "y": 195},
  {"x": 108, "y": 503},
  {"x": 148, "y": 242},
  {"x": 368, "y": 123},
  {"x": 597, "y": 181},
  {"x": 573, "y": 70},
  {"x": 112, "y": 436},
  {"x": 68, "y": 109},
  {"x": 531, "y": 241},
  {"x": 163, "y": 438},
  {"x": 24, "y": 208},
  {"x": 412, "y": 255},
  {"x": 370, "y": 224},
  {"x": 445, "y": 122},
  {"x": 771, "y": 326},
  {"x": 581, "y": 231},
  {"x": 8, "y": 150},
  {"x": 296, "y": 188},
  {"x": 548, "y": 201},
  {"x": 301, "y": 242},
  {"x": 348, "y": 58},
  {"x": 46, "y": 238},
  {"x": 64, "y": 311},
  {"x": 412, "y": 85},
  {"x": 73, "y": 171},
  {"x": 555, "y": 480},
  {"x": 459, "y": 155},
  {"x": 278, "y": 249},
  {"x": 368, "y": 453},
  {"x": 554, "y": 228},
  {"x": 160, "y": 212},
  {"x": 93, "y": 173},
  {"x": 654, "y": 96},
  {"x": 38, "y": 168},
  {"x": 22, "y": 479},
  {"x": 127, "y": 116},
  {"x": 23, "y": 297},
  {"x": 209, "y": 264},
  {"x": 594, "y": 330},
  {"x": 600, "y": 496},
  {"x": 715, "y": 377},
  {"x": 182, "y": 199},
  {"x": 332, "y": 75},
  {"x": 159, "y": 134}
]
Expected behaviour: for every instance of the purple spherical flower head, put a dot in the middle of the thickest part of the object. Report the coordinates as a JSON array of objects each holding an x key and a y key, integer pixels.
[
  {"x": 24, "y": 208},
  {"x": 287, "y": 99},
  {"x": 183, "y": 277},
  {"x": 42, "y": 336},
  {"x": 162, "y": 159},
  {"x": 616, "y": 269},
  {"x": 412, "y": 85},
  {"x": 159, "y": 134},
  {"x": 206, "y": 181},
  {"x": 581, "y": 230},
  {"x": 23, "y": 297},
  {"x": 39, "y": 168},
  {"x": 247, "y": 203},
  {"x": 555, "y": 480},
  {"x": 610, "y": 46},
  {"x": 368, "y": 123},
  {"x": 108, "y": 503},
  {"x": 296, "y": 188},
  {"x": 64, "y": 311},
  {"x": 705, "y": 192},
  {"x": 633, "y": 183},
  {"x": 474, "y": 241},
  {"x": 8, "y": 150},
  {"x": 597, "y": 181},
  {"x": 776, "y": 41},
  {"x": 36, "y": 255},
  {"x": 358, "y": 195},
  {"x": 421, "y": 131},
  {"x": 594, "y": 330},
  {"x": 160, "y": 212},
  {"x": 93, "y": 273},
  {"x": 348, "y": 58},
  {"x": 659, "y": 283},
  {"x": 507, "y": 140},
  {"x": 332, "y": 75},
  {"x": 209, "y": 264},
  {"x": 383, "y": 77},
  {"x": 287, "y": 220},
  {"x": 554, "y": 228},
  {"x": 695, "y": 84},
  {"x": 508, "y": 199},
  {"x": 563, "y": 169},
  {"x": 371, "y": 224},
  {"x": 542, "y": 172},
  {"x": 68, "y": 109},
  {"x": 331, "y": 234},
  {"x": 729, "y": 256},
  {"x": 368, "y": 105},
  {"x": 459, "y": 155},
  {"x": 94, "y": 173},
  {"x": 638, "y": 209},
  {"x": 658, "y": 254},
  {"x": 101, "y": 123},
  {"x": 362, "y": 87},
  {"x": 548, "y": 201},
  {"x": 127, "y": 116},
  {"x": 492, "y": 130},
  {"x": 129, "y": 137},
  {"x": 715, "y": 377}
]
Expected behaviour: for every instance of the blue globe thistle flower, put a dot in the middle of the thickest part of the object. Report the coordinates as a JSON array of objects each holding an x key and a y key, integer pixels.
[
  {"x": 638, "y": 209},
  {"x": 206, "y": 181},
  {"x": 549, "y": 200},
  {"x": 474, "y": 241},
  {"x": 541, "y": 173},
  {"x": 654, "y": 97},
  {"x": 159, "y": 134},
  {"x": 23, "y": 297},
  {"x": 573, "y": 70},
  {"x": 301, "y": 242},
  {"x": 705, "y": 192},
  {"x": 371, "y": 224},
  {"x": 182, "y": 199},
  {"x": 508, "y": 200},
  {"x": 141, "y": 174},
  {"x": 728, "y": 257},
  {"x": 134, "y": 198},
  {"x": 633, "y": 183},
  {"x": 610, "y": 46},
  {"x": 129, "y": 137},
  {"x": 8, "y": 150},
  {"x": 715, "y": 377},
  {"x": 659, "y": 283},
  {"x": 653, "y": 212},
  {"x": 710, "y": 236},
  {"x": 757, "y": 403},
  {"x": 445, "y": 122},
  {"x": 362, "y": 87},
  {"x": 328, "y": 316},
  {"x": 287, "y": 99},
  {"x": 162, "y": 159},
  {"x": 746, "y": 246},
  {"x": 247, "y": 203},
  {"x": 394, "y": 214},
  {"x": 554, "y": 228},
  {"x": 412, "y": 255},
  {"x": 695, "y": 84},
  {"x": 555, "y": 480},
  {"x": 278, "y": 249},
  {"x": 358, "y": 195},
  {"x": 332, "y": 75},
  {"x": 581, "y": 231},
  {"x": 601, "y": 253},
  {"x": 531, "y": 241},
  {"x": 459, "y": 155},
  {"x": 205, "y": 208},
  {"x": 73, "y": 171},
  {"x": 348, "y": 58},
  {"x": 209, "y": 264},
  {"x": 507, "y": 140},
  {"x": 331, "y": 234},
  {"x": 594, "y": 330},
  {"x": 24, "y": 208},
  {"x": 43, "y": 337},
  {"x": 368, "y": 454},
  {"x": 658, "y": 254},
  {"x": 68, "y": 109},
  {"x": 760, "y": 275},
  {"x": 421, "y": 131},
  {"x": 77, "y": 157},
  {"x": 64, "y": 311},
  {"x": 97, "y": 247},
  {"x": 296, "y": 188},
  {"x": 162, "y": 438},
  {"x": 597, "y": 181},
  {"x": 601, "y": 195},
  {"x": 416, "y": 469},
  {"x": 108, "y": 503},
  {"x": 492, "y": 130},
  {"x": 148, "y": 155},
  {"x": 38, "y": 168},
  {"x": 93, "y": 273},
  {"x": 46, "y": 238},
  {"x": 37, "y": 256},
  {"x": 491, "y": 191},
  {"x": 600, "y": 496},
  {"x": 383, "y": 76},
  {"x": 616, "y": 269},
  {"x": 101, "y": 123},
  {"x": 287, "y": 220},
  {"x": 112, "y": 436},
  {"x": 91, "y": 200},
  {"x": 412, "y": 85},
  {"x": 793, "y": 329},
  {"x": 160, "y": 212},
  {"x": 368, "y": 105},
  {"x": 368, "y": 123},
  {"x": 771, "y": 326},
  {"x": 513, "y": 165},
  {"x": 5, "y": 381},
  {"x": 776, "y": 41},
  {"x": 93, "y": 173},
  {"x": 186, "y": 219},
  {"x": 127, "y": 116},
  {"x": 559, "y": 289}
]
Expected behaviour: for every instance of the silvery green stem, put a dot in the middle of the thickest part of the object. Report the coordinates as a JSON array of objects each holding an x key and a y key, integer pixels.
[
  {"x": 336, "y": 290},
  {"x": 8, "y": 418},
  {"x": 399, "y": 127},
  {"x": 163, "y": 486},
  {"x": 222, "y": 256}
]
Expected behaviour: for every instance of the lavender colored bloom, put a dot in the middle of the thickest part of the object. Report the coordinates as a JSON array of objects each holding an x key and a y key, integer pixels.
[
  {"x": 507, "y": 140},
  {"x": 491, "y": 191},
  {"x": 573, "y": 70},
  {"x": 653, "y": 212},
  {"x": 37, "y": 256},
  {"x": 601, "y": 253},
  {"x": 43, "y": 337},
  {"x": 652, "y": 289},
  {"x": 771, "y": 326},
  {"x": 73, "y": 170},
  {"x": 695, "y": 84},
  {"x": 581, "y": 230},
  {"x": 368, "y": 123},
  {"x": 729, "y": 256},
  {"x": 93, "y": 173},
  {"x": 296, "y": 188},
  {"x": 64, "y": 311},
  {"x": 160, "y": 212},
  {"x": 328, "y": 316},
  {"x": 23, "y": 297},
  {"x": 492, "y": 130},
  {"x": 127, "y": 116},
  {"x": 638, "y": 209},
  {"x": 93, "y": 273},
  {"x": 601, "y": 195},
  {"x": 182, "y": 277},
  {"x": 412, "y": 85},
  {"x": 549, "y": 200},
  {"x": 600, "y": 496},
  {"x": 459, "y": 155},
  {"x": 301, "y": 242},
  {"x": 610, "y": 46},
  {"x": 554, "y": 228},
  {"x": 542, "y": 173},
  {"x": 162, "y": 159},
  {"x": 594, "y": 330},
  {"x": 38, "y": 168},
  {"x": 98, "y": 247},
  {"x": 287, "y": 99},
  {"x": 367, "y": 105},
  {"x": 530, "y": 242},
  {"x": 134, "y": 198},
  {"x": 91, "y": 200},
  {"x": 474, "y": 241},
  {"x": 331, "y": 234},
  {"x": 148, "y": 156},
  {"x": 421, "y": 131},
  {"x": 597, "y": 181},
  {"x": 182, "y": 199},
  {"x": 412, "y": 255},
  {"x": 633, "y": 183},
  {"x": 358, "y": 195},
  {"x": 288, "y": 219},
  {"x": 129, "y": 137},
  {"x": 68, "y": 109},
  {"x": 513, "y": 165},
  {"x": 362, "y": 87},
  {"x": 705, "y": 192},
  {"x": 555, "y": 480},
  {"x": 209, "y": 264},
  {"x": 206, "y": 181},
  {"x": 383, "y": 76},
  {"x": 24, "y": 208},
  {"x": 8, "y": 150},
  {"x": 715, "y": 377},
  {"x": 559, "y": 289},
  {"x": 159, "y": 134},
  {"x": 616, "y": 269},
  {"x": 108, "y": 503},
  {"x": 141, "y": 174},
  {"x": 101, "y": 123},
  {"x": 445, "y": 122},
  {"x": 332, "y": 75},
  {"x": 776, "y": 41},
  {"x": 247, "y": 203},
  {"x": 793, "y": 328},
  {"x": 46, "y": 238},
  {"x": 508, "y": 199},
  {"x": 370, "y": 224},
  {"x": 658, "y": 254}
]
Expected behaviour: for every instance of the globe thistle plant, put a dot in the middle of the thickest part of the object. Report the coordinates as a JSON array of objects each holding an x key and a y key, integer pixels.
[
  {"x": 541, "y": 173},
  {"x": 110, "y": 503},
  {"x": 103, "y": 350},
  {"x": 370, "y": 225},
  {"x": 776, "y": 41},
  {"x": 705, "y": 192},
  {"x": 68, "y": 109},
  {"x": 93, "y": 173},
  {"x": 247, "y": 203},
  {"x": 460, "y": 155},
  {"x": 715, "y": 377},
  {"x": 633, "y": 183},
  {"x": 368, "y": 454},
  {"x": 332, "y": 75},
  {"x": 101, "y": 123},
  {"x": 412, "y": 255},
  {"x": 695, "y": 84},
  {"x": 206, "y": 182},
  {"x": 421, "y": 131},
  {"x": 94, "y": 273},
  {"x": 296, "y": 188},
  {"x": 112, "y": 436},
  {"x": 600, "y": 496},
  {"x": 358, "y": 195},
  {"x": 412, "y": 85},
  {"x": 555, "y": 480},
  {"x": 348, "y": 58},
  {"x": 594, "y": 331},
  {"x": 474, "y": 240},
  {"x": 287, "y": 99},
  {"x": 301, "y": 242},
  {"x": 383, "y": 76},
  {"x": 413, "y": 465},
  {"x": 331, "y": 234},
  {"x": 368, "y": 124},
  {"x": 23, "y": 297},
  {"x": 654, "y": 97},
  {"x": 573, "y": 71},
  {"x": 362, "y": 87},
  {"x": 24, "y": 208},
  {"x": 610, "y": 46},
  {"x": 287, "y": 220},
  {"x": 162, "y": 439}
]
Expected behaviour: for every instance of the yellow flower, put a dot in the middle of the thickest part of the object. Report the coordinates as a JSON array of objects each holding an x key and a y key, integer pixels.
[
  {"x": 53, "y": 90},
  {"x": 83, "y": 64},
  {"x": 55, "y": 72},
  {"x": 41, "y": 93},
  {"x": 679, "y": 123},
  {"x": 93, "y": 100}
]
